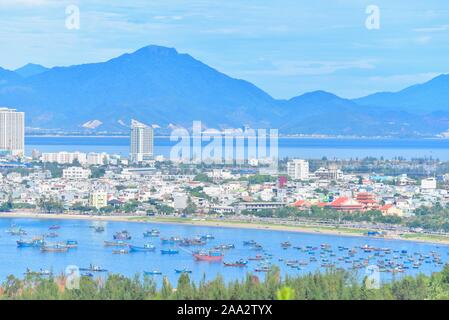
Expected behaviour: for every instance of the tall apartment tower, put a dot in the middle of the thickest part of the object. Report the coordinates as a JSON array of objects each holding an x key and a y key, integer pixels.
[
  {"x": 298, "y": 169},
  {"x": 142, "y": 137},
  {"x": 12, "y": 131}
]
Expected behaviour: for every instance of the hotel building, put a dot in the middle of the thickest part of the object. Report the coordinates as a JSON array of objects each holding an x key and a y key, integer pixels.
[
  {"x": 12, "y": 131},
  {"x": 141, "y": 142}
]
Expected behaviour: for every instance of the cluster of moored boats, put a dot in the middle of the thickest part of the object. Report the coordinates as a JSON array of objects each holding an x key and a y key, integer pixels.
[{"x": 322, "y": 256}]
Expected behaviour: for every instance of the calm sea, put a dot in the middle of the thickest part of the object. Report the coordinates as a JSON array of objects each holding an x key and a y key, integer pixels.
[
  {"x": 307, "y": 148},
  {"x": 91, "y": 250}
]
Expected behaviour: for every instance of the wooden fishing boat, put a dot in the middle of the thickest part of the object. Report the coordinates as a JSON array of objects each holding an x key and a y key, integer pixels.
[
  {"x": 115, "y": 244},
  {"x": 211, "y": 256},
  {"x": 120, "y": 251},
  {"x": 57, "y": 247}
]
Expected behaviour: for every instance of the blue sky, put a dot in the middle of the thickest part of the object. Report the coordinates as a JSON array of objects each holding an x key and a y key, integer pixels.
[{"x": 286, "y": 47}]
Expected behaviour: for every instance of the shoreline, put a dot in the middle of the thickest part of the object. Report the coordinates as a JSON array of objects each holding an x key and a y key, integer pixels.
[{"x": 333, "y": 231}]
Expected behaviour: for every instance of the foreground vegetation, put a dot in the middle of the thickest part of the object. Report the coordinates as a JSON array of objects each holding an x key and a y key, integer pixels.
[{"x": 331, "y": 285}]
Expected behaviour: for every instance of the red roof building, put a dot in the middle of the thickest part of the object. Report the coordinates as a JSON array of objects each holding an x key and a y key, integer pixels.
[{"x": 346, "y": 204}]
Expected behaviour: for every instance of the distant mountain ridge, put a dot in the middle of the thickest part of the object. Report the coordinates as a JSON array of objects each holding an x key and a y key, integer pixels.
[
  {"x": 161, "y": 86},
  {"x": 30, "y": 69}
]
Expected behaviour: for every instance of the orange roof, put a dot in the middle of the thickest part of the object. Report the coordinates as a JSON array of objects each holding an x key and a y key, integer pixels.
[
  {"x": 386, "y": 207},
  {"x": 339, "y": 201},
  {"x": 298, "y": 203}
]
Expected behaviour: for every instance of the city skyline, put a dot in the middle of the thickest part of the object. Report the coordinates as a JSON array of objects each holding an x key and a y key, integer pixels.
[{"x": 301, "y": 48}]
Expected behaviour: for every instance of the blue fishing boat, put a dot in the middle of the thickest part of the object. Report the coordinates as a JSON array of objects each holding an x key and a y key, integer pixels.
[
  {"x": 151, "y": 233},
  {"x": 153, "y": 273},
  {"x": 71, "y": 244},
  {"x": 169, "y": 251},
  {"x": 183, "y": 270},
  {"x": 207, "y": 237},
  {"x": 145, "y": 248},
  {"x": 171, "y": 240},
  {"x": 34, "y": 243}
]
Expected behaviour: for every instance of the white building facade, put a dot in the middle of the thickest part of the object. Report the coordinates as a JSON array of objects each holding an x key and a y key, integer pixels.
[
  {"x": 12, "y": 131},
  {"x": 298, "y": 169},
  {"x": 142, "y": 137}
]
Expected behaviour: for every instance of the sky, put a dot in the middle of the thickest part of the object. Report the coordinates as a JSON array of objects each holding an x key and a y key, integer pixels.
[{"x": 285, "y": 47}]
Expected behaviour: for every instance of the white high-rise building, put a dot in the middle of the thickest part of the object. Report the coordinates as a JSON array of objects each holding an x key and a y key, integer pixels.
[
  {"x": 298, "y": 169},
  {"x": 141, "y": 142},
  {"x": 12, "y": 131}
]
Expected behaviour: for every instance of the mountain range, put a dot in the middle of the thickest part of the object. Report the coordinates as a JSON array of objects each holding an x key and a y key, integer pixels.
[{"x": 158, "y": 85}]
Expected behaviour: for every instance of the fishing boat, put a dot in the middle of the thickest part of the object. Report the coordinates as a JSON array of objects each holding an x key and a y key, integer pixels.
[
  {"x": 171, "y": 240},
  {"x": 249, "y": 243},
  {"x": 262, "y": 269},
  {"x": 239, "y": 263},
  {"x": 87, "y": 274},
  {"x": 41, "y": 272},
  {"x": 192, "y": 242},
  {"x": 183, "y": 270},
  {"x": 256, "y": 258},
  {"x": 169, "y": 251},
  {"x": 286, "y": 245},
  {"x": 34, "y": 243},
  {"x": 257, "y": 247},
  {"x": 115, "y": 244},
  {"x": 51, "y": 235},
  {"x": 54, "y": 227},
  {"x": 145, "y": 248},
  {"x": 71, "y": 244},
  {"x": 94, "y": 268},
  {"x": 225, "y": 247},
  {"x": 120, "y": 251},
  {"x": 207, "y": 237},
  {"x": 151, "y": 233},
  {"x": 153, "y": 273},
  {"x": 56, "y": 247},
  {"x": 211, "y": 256},
  {"x": 122, "y": 235},
  {"x": 16, "y": 231},
  {"x": 99, "y": 229}
]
